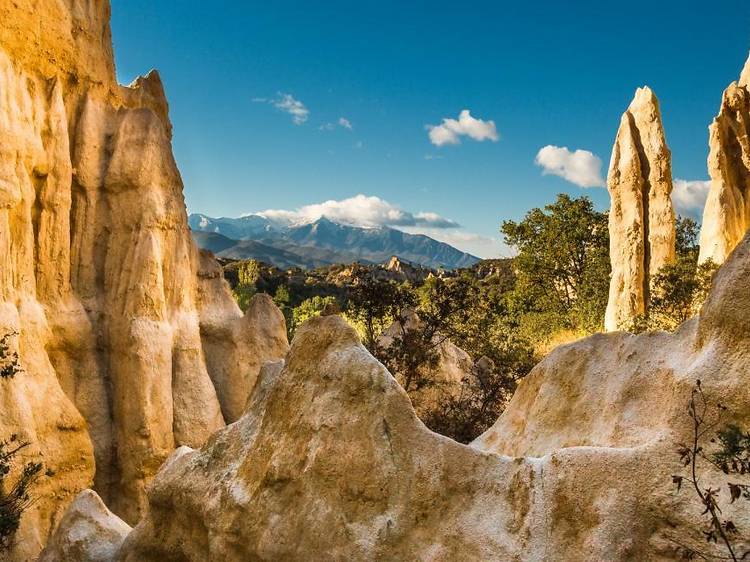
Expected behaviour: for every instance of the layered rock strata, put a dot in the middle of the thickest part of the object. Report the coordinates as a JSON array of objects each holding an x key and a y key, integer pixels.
[
  {"x": 641, "y": 218},
  {"x": 100, "y": 277},
  {"x": 726, "y": 217}
]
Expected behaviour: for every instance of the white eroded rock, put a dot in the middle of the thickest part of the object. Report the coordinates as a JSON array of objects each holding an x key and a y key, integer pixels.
[{"x": 88, "y": 532}]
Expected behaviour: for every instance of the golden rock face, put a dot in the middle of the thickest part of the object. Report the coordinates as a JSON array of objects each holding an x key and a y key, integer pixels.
[
  {"x": 726, "y": 217},
  {"x": 641, "y": 218},
  {"x": 100, "y": 278}
]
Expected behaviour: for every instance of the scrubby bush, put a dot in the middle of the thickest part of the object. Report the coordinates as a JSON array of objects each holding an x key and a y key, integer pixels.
[{"x": 14, "y": 496}]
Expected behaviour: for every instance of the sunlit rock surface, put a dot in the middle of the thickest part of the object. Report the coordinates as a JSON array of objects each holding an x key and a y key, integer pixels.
[
  {"x": 726, "y": 217},
  {"x": 641, "y": 217},
  {"x": 100, "y": 275},
  {"x": 89, "y": 532}
]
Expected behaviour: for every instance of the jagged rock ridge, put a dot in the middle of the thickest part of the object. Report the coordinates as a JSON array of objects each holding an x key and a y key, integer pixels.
[{"x": 641, "y": 218}]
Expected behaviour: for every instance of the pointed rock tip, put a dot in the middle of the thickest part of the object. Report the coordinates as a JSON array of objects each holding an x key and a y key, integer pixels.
[
  {"x": 745, "y": 74},
  {"x": 644, "y": 96}
]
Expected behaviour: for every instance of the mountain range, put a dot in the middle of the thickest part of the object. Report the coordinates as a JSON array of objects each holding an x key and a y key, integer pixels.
[{"x": 319, "y": 243}]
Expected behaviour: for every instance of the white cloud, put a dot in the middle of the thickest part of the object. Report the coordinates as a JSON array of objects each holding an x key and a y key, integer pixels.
[
  {"x": 292, "y": 106},
  {"x": 482, "y": 246},
  {"x": 689, "y": 197},
  {"x": 343, "y": 122},
  {"x": 450, "y": 131},
  {"x": 360, "y": 210},
  {"x": 581, "y": 167}
]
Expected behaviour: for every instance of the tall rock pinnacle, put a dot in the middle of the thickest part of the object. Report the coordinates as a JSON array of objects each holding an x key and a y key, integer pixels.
[
  {"x": 641, "y": 220},
  {"x": 726, "y": 217}
]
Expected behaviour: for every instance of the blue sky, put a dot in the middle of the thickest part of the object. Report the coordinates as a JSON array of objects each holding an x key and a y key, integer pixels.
[{"x": 544, "y": 72}]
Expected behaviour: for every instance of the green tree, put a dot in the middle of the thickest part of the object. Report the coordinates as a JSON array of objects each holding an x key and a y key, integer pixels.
[
  {"x": 282, "y": 299},
  {"x": 374, "y": 305},
  {"x": 249, "y": 272},
  {"x": 309, "y": 308},
  {"x": 678, "y": 289},
  {"x": 562, "y": 266},
  {"x": 248, "y": 275},
  {"x": 473, "y": 315}
]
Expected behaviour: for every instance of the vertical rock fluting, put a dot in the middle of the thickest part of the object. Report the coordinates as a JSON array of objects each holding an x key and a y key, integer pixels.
[
  {"x": 100, "y": 278},
  {"x": 726, "y": 217},
  {"x": 641, "y": 219}
]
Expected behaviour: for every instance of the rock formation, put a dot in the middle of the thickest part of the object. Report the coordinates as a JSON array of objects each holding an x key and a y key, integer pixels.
[
  {"x": 100, "y": 277},
  {"x": 132, "y": 346},
  {"x": 88, "y": 532},
  {"x": 726, "y": 217},
  {"x": 641, "y": 218},
  {"x": 330, "y": 462}
]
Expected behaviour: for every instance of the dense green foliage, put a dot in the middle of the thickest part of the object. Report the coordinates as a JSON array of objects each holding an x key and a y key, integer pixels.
[
  {"x": 248, "y": 274},
  {"x": 563, "y": 267},
  {"x": 678, "y": 289},
  {"x": 471, "y": 313}
]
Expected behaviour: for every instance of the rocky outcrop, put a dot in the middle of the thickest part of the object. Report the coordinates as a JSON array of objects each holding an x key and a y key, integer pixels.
[
  {"x": 330, "y": 462},
  {"x": 236, "y": 346},
  {"x": 641, "y": 218},
  {"x": 100, "y": 276},
  {"x": 88, "y": 532},
  {"x": 726, "y": 217}
]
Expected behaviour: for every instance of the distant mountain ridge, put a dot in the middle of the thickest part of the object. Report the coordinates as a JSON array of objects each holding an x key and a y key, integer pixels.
[{"x": 321, "y": 242}]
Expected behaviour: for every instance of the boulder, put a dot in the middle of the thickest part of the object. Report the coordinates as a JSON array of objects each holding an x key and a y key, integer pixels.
[{"x": 88, "y": 532}]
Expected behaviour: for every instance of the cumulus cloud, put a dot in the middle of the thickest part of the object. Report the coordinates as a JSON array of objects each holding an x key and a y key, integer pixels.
[
  {"x": 294, "y": 107},
  {"x": 581, "y": 167},
  {"x": 689, "y": 197},
  {"x": 345, "y": 123},
  {"x": 450, "y": 131},
  {"x": 360, "y": 210}
]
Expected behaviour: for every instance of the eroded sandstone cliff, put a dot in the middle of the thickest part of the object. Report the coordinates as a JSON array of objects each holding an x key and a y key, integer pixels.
[
  {"x": 100, "y": 278},
  {"x": 726, "y": 217},
  {"x": 641, "y": 217}
]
